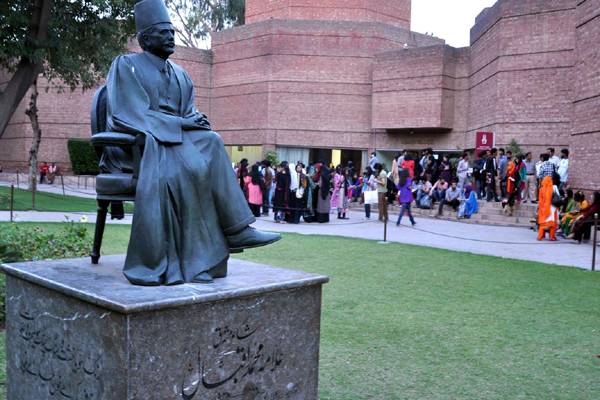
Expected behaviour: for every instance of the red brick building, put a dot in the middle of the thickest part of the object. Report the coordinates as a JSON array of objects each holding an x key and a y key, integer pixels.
[{"x": 333, "y": 79}]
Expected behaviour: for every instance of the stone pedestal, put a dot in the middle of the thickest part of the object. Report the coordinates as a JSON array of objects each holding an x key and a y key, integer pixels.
[{"x": 82, "y": 332}]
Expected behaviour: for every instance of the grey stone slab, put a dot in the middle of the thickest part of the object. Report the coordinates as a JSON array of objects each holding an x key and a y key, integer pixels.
[
  {"x": 74, "y": 332},
  {"x": 61, "y": 348},
  {"x": 105, "y": 285}
]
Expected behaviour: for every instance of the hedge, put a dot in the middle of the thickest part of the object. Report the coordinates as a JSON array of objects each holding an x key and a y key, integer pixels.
[{"x": 84, "y": 160}]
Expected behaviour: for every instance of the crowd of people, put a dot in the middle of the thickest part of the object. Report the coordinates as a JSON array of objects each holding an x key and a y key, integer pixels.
[{"x": 296, "y": 192}]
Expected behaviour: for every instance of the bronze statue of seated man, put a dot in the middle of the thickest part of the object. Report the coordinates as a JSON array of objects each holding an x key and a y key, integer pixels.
[{"x": 189, "y": 210}]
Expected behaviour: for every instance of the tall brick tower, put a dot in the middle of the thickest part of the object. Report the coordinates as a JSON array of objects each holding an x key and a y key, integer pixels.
[{"x": 393, "y": 12}]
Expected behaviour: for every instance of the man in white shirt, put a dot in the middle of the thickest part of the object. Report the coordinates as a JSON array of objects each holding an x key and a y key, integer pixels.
[
  {"x": 563, "y": 167},
  {"x": 373, "y": 160},
  {"x": 554, "y": 159}
]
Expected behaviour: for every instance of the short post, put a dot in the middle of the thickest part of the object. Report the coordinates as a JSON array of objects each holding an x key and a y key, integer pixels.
[
  {"x": 385, "y": 221},
  {"x": 18, "y": 179},
  {"x": 62, "y": 182},
  {"x": 12, "y": 201},
  {"x": 595, "y": 242}
]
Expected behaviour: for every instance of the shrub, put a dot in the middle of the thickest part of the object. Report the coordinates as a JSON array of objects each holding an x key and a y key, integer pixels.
[
  {"x": 515, "y": 148},
  {"x": 84, "y": 159},
  {"x": 271, "y": 156},
  {"x": 23, "y": 243}
]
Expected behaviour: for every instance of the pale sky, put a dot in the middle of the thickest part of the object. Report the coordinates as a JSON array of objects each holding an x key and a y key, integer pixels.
[{"x": 450, "y": 20}]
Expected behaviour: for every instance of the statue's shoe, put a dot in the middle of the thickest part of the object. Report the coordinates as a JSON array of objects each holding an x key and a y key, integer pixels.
[{"x": 250, "y": 238}]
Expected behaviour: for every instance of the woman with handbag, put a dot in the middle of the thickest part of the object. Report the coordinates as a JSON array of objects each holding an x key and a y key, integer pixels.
[
  {"x": 369, "y": 191},
  {"x": 299, "y": 195}
]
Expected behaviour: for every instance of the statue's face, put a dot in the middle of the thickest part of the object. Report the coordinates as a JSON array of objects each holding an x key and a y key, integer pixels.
[{"x": 160, "y": 40}]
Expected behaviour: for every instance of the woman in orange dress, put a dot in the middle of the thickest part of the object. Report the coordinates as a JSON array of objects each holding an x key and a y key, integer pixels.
[{"x": 547, "y": 213}]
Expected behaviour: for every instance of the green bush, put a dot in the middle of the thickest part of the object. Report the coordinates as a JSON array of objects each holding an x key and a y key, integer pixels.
[
  {"x": 24, "y": 243},
  {"x": 271, "y": 156},
  {"x": 515, "y": 148},
  {"x": 19, "y": 243},
  {"x": 84, "y": 159}
]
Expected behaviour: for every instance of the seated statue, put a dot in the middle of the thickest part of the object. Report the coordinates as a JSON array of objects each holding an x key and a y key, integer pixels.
[{"x": 190, "y": 212}]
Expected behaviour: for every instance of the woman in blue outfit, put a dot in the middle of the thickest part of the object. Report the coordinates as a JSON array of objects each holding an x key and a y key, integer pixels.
[{"x": 470, "y": 205}]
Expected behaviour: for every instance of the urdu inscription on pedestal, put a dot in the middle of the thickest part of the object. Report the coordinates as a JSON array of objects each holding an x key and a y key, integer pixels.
[{"x": 85, "y": 333}]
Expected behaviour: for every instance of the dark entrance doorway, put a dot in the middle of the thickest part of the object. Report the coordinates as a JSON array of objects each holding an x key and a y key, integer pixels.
[{"x": 337, "y": 157}]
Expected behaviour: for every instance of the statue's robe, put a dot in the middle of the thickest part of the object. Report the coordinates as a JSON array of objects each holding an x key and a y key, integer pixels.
[{"x": 187, "y": 198}]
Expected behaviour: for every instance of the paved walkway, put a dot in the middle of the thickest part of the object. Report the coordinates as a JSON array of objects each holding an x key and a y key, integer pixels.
[
  {"x": 516, "y": 243},
  {"x": 70, "y": 189}
]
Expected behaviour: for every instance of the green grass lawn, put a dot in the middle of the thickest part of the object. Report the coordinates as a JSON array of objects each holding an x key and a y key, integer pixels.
[
  {"x": 48, "y": 202},
  {"x": 404, "y": 322}
]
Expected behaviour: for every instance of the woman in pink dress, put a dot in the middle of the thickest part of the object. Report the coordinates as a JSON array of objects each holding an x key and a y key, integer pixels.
[
  {"x": 338, "y": 198},
  {"x": 254, "y": 185}
]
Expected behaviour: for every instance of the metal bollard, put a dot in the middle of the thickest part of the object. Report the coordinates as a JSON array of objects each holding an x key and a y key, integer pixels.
[
  {"x": 18, "y": 179},
  {"x": 595, "y": 242},
  {"x": 12, "y": 201},
  {"x": 385, "y": 223},
  {"x": 385, "y": 230},
  {"x": 62, "y": 182}
]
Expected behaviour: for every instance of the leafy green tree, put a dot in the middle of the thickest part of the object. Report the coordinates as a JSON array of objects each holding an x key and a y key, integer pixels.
[
  {"x": 72, "y": 42},
  {"x": 194, "y": 20}
]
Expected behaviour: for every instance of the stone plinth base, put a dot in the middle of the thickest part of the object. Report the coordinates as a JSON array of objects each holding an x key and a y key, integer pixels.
[{"x": 77, "y": 331}]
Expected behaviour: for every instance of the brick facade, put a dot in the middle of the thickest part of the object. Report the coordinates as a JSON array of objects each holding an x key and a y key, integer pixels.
[
  {"x": 585, "y": 138},
  {"x": 393, "y": 12},
  {"x": 349, "y": 74}
]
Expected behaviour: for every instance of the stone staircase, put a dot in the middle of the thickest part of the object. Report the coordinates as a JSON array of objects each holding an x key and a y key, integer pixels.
[{"x": 489, "y": 214}]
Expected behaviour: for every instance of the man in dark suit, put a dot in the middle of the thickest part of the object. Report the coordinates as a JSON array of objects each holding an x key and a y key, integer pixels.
[
  {"x": 189, "y": 210},
  {"x": 491, "y": 170}
]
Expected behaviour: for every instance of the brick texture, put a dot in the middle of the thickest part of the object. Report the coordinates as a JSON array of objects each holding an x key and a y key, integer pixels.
[
  {"x": 393, "y": 12},
  {"x": 585, "y": 139}
]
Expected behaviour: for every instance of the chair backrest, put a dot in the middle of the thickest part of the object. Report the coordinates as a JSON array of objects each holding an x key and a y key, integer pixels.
[{"x": 99, "y": 109}]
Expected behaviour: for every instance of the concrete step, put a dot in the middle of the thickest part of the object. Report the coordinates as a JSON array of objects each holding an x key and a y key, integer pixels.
[
  {"x": 498, "y": 206},
  {"x": 487, "y": 216}
]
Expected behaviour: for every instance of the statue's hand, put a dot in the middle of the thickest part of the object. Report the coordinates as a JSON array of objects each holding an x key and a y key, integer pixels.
[{"x": 198, "y": 121}]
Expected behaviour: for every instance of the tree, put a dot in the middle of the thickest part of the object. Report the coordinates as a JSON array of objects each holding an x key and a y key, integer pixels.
[
  {"x": 194, "y": 20},
  {"x": 515, "y": 148},
  {"x": 73, "y": 41},
  {"x": 69, "y": 41}
]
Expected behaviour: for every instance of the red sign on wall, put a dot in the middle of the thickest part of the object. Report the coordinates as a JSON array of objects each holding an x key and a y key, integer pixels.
[{"x": 484, "y": 140}]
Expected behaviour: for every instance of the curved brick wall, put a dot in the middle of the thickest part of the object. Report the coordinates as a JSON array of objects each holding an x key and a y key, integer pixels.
[
  {"x": 521, "y": 78},
  {"x": 394, "y": 12}
]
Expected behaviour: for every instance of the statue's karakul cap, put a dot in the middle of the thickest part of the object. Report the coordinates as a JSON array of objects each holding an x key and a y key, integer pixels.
[{"x": 150, "y": 12}]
